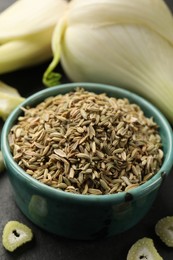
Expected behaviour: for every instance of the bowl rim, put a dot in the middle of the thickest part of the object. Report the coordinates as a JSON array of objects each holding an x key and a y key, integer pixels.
[{"x": 39, "y": 96}]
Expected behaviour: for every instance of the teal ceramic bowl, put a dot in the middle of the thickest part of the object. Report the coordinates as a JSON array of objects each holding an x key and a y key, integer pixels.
[{"x": 85, "y": 216}]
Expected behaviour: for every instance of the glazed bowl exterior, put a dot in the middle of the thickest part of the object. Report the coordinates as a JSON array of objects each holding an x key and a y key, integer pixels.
[{"x": 78, "y": 216}]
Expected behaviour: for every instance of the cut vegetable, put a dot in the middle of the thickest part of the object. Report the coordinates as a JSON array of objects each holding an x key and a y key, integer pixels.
[
  {"x": 15, "y": 234},
  {"x": 164, "y": 229},
  {"x": 9, "y": 99},
  {"x": 143, "y": 249}
]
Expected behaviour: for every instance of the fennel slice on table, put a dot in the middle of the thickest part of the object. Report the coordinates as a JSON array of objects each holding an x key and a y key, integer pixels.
[
  {"x": 143, "y": 249},
  {"x": 164, "y": 229},
  {"x": 15, "y": 234}
]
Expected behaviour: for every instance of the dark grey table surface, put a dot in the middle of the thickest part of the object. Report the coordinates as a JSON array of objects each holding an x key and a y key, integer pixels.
[{"x": 46, "y": 246}]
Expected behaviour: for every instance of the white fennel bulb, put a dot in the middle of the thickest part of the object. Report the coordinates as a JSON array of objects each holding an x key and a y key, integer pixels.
[
  {"x": 26, "y": 32},
  {"x": 119, "y": 42}
]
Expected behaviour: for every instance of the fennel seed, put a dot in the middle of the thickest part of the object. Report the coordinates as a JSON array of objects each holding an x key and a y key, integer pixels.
[{"x": 87, "y": 143}]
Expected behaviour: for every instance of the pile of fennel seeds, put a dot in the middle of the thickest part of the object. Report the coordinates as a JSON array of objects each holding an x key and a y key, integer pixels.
[{"x": 87, "y": 143}]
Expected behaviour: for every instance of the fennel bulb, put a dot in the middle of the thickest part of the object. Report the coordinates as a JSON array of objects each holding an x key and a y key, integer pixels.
[
  {"x": 26, "y": 32},
  {"x": 119, "y": 42}
]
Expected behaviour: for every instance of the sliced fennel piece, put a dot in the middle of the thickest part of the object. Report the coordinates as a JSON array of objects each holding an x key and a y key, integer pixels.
[
  {"x": 24, "y": 18},
  {"x": 123, "y": 48},
  {"x": 143, "y": 249},
  {"x": 164, "y": 229},
  {"x": 9, "y": 99},
  {"x": 15, "y": 234}
]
